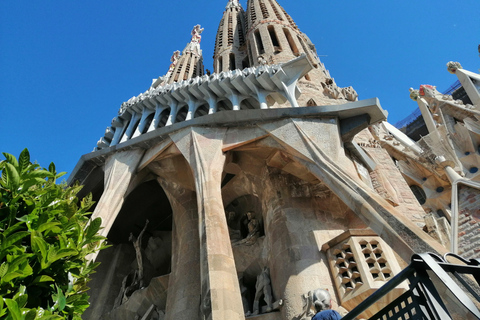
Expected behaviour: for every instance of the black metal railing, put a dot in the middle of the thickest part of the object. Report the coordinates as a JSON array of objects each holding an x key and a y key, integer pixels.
[{"x": 438, "y": 290}]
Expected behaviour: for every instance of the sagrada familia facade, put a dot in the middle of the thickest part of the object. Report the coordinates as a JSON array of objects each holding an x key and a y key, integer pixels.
[{"x": 236, "y": 193}]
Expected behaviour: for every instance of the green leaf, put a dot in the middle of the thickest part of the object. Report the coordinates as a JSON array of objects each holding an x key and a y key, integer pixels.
[
  {"x": 13, "y": 309},
  {"x": 59, "y": 300},
  {"x": 11, "y": 159},
  {"x": 23, "y": 160},
  {"x": 30, "y": 315},
  {"x": 48, "y": 226},
  {"x": 43, "y": 278},
  {"x": 94, "y": 227},
  {"x": 3, "y": 269},
  {"x": 14, "y": 238},
  {"x": 51, "y": 168},
  {"x": 13, "y": 179}
]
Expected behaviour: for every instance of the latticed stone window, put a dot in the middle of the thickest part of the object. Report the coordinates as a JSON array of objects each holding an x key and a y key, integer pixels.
[{"x": 360, "y": 263}]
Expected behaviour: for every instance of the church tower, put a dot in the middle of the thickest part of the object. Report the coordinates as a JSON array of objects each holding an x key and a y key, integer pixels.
[
  {"x": 273, "y": 35},
  {"x": 230, "y": 47},
  {"x": 190, "y": 63}
]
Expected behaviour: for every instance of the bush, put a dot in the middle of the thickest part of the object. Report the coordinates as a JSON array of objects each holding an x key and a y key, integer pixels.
[{"x": 45, "y": 238}]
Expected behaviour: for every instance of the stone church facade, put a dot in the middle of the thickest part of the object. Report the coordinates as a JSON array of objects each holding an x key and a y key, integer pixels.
[{"x": 234, "y": 194}]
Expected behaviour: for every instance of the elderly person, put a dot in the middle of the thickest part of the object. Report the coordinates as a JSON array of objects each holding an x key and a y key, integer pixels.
[{"x": 323, "y": 304}]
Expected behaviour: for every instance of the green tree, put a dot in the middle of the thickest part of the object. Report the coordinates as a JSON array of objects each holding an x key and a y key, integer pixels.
[{"x": 45, "y": 237}]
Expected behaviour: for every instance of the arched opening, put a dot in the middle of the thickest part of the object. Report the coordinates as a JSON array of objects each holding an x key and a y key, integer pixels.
[
  {"x": 181, "y": 114},
  {"x": 249, "y": 103},
  {"x": 232, "y": 61},
  {"x": 119, "y": 266},
  {"x": 148, "y": 122},
  {"x": 259, "y": 42},
  {"x": 245, "y": 63},
  {"x": 419, "y": 194},
  {"x": 201, "y": 111},
  {"x": 163, "y": 118},
  {"x": 224, "y": 105},
  {"x": 291, "y": 42},
  {"x": 273, "y": 36}
]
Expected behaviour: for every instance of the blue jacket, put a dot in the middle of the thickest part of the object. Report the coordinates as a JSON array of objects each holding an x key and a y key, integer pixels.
[{"x": 327, "y": 315}]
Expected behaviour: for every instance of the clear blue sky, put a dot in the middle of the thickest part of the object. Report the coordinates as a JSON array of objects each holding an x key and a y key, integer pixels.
[{"x": 66, "y": 66}]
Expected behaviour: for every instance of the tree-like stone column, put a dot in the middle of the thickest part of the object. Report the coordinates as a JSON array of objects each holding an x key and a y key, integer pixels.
[
  {"x": 184, "y": 283},
  {"x": 220, "y": 291},
  {"x": 119, "y": 170}
]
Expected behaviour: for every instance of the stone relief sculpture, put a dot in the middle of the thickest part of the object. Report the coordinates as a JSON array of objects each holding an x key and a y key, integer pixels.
[
  {"x": 350, "y": 94},
  {"x": 137, "y": 244},
  {"x": 134, "y": 280},
  {"x": 453, "y": 66},
  {"x": 263, "y": 289},
  {"x": 244, "y": 292},
  {"x": 234, "y": 226},
  {"x": 253, "y": 231}
]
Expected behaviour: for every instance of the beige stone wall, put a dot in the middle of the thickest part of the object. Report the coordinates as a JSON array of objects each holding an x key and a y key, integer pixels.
[{"x": 469, "y": 222}]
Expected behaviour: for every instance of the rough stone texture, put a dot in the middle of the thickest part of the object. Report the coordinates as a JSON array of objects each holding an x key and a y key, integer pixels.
[{"x": 469, "y": 222}]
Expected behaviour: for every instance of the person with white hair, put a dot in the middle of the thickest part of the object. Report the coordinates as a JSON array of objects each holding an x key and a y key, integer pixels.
[{"x": 323, "y": 306}]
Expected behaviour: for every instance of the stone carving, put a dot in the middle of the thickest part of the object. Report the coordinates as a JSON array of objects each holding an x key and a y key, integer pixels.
[
  {"x": 350, "y": 94},
  {"x": 263, "y": 289},
  {"x": 134, "y": 280},
  {"x": 234, "y": 225},
  {"x": 244, "y": 292},
  {"x": 137, "y": 244},
  {"x": 331, "y": 89},
  {"x": 261, "y": 60},
  {"x": 196, "y": 34},
  {"x": 453, "y": 66},
  {"x": 253, "y": 231},
  {"x": 414, "y": 94}
]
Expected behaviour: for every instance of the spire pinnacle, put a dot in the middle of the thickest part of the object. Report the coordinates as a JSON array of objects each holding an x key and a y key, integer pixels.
[{"x": 233, "y": 4}]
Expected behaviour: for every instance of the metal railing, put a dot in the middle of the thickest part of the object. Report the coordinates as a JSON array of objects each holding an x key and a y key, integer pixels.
[{"x": 438, "y": 290}]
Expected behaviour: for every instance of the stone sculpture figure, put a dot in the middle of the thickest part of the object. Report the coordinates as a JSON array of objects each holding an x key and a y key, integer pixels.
[
  {"x": 253, "y": 231},
  {"x": 137, "y": 244},
  {"x": 263, "y": 288},
  {"x": 244, "y": 292},
  {"x": 196, "y": 34},
  {"x": 234, "y": 227}
]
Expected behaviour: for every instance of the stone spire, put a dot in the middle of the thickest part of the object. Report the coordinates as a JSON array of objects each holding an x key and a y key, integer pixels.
[
  {"x": 230, "y": 49},
  {"x": 273, "y": 36},
  {"x": 190, "y": 63}
]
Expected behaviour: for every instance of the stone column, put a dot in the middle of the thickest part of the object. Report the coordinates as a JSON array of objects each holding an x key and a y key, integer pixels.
[
  {"x": 220, "y": 291},
  {"x": 183, "y": 299},
  {"x": 119, "y": 170}
]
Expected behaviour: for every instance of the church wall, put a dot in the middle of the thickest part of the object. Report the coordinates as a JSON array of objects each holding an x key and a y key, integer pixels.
[{"x": 469, "y": 222}]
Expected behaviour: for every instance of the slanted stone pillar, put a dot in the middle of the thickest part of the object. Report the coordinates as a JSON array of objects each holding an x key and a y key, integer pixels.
[
  {"x": 119, "y": 170},
  {"x": 220, "y": 291},
  {"x": 184, "y": 284}
]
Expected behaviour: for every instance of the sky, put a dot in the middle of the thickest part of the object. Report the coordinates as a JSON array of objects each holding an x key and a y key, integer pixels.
[{"x": 67, "y": 66}]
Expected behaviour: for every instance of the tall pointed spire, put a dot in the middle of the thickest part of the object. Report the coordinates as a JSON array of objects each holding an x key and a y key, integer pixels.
[
  {"x": 190, "y": 63},
  {"x": 273, "y": 35},
  {"x": 230, "y": 49}
]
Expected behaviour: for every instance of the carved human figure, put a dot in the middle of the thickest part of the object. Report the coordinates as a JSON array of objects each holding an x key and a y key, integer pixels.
[
  {"x": 137, "y": 244},
  {"x": 263, "y": 288},
  {"x": 261, "y": 60},
  {"x": 244, "y": 292},
  {"x": 234, "y": 227},
  {"x": 253, "y": 231},
  {"x": 196, "y": 34}
]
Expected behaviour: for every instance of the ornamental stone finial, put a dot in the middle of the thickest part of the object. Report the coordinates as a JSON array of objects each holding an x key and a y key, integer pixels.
[
  {"x": 233, "y": 4},
  {"x": 453, "y": 66}
]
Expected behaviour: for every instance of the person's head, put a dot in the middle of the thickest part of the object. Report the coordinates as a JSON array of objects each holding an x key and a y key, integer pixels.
[
  {"x": 250, "y": 215},
  {"x": 322, "y": 300}
]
